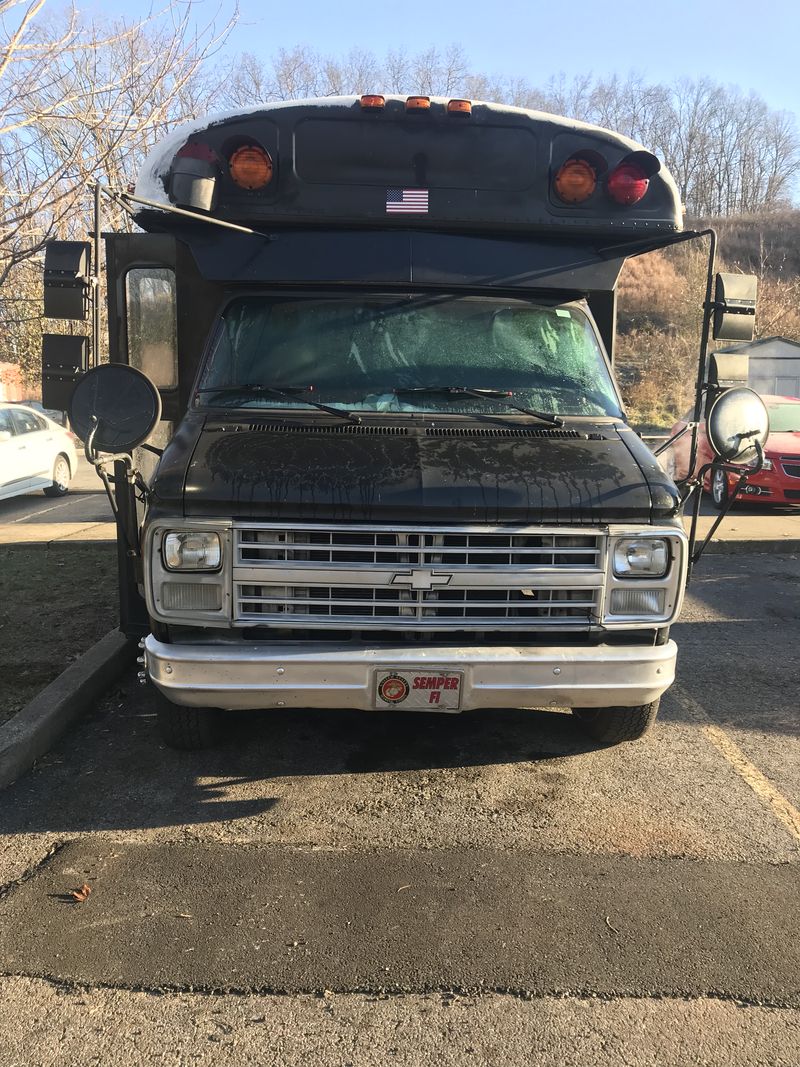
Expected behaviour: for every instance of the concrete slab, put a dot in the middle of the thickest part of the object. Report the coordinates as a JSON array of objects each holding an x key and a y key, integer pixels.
[
  {"x": 223, "y": 918},
  {"x": 51, "y": 533},
  {"x": 756, "y": 529}
]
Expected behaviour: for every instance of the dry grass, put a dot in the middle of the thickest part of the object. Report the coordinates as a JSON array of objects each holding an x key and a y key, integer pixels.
[{"x": 54, "y": 604}]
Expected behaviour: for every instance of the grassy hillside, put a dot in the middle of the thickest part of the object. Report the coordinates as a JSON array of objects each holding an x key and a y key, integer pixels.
[{"x": 660, "y": 300}]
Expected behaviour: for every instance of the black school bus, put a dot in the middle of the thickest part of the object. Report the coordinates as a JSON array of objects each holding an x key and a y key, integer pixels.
[{"x": 360, "y": 422}]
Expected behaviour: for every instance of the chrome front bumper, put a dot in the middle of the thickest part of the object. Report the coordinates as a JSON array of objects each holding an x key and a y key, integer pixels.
[{"x": 327, "y": 675}]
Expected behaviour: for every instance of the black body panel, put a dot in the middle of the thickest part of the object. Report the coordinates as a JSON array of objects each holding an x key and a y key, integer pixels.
[
  {"x": 381, "y": 257},
  {"x": 334, "y": 163},
  {"x": 314, "y": 470}
]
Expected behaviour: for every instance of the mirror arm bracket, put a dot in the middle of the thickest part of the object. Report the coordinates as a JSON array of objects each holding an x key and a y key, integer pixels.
[
  {"x": 133, "y": 476},
  {"x": 675, "y": 437},
  {"x": 744, "y": 474}
]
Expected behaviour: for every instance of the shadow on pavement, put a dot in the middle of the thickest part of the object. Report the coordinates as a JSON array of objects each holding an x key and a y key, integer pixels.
[{"x": 113, "y": 772}]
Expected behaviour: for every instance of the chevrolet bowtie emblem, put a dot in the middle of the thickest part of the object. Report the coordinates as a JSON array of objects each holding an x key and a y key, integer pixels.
[{"x": 421, "y": 579}]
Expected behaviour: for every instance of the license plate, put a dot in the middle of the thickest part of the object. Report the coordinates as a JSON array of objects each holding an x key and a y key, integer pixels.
[{"x": 428, "y": 690}]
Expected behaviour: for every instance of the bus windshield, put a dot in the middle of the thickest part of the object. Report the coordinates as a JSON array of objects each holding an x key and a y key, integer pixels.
[{"x": 383, "y": 353}]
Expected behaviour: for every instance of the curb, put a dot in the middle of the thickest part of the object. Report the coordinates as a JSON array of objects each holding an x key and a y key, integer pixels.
[
  {"x": 788, "y": 546},
  {"x": 34, "y": 730}
]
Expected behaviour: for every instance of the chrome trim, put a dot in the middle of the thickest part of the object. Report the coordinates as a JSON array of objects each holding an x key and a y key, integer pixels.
[
  {"x": 156, "y": 573},
  {"x": 253, "y": 675},
  {"x": 539, "y": 589},
  {"x": 460, "y": 577},
  {"x": 673, "y": 582}
]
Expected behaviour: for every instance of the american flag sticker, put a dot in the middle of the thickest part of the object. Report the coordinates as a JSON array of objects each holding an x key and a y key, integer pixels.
[{"x": 406, "y": 201}]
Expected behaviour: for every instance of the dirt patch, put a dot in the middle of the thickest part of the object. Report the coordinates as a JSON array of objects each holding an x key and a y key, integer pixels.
[{"x": 55, "y": 602}]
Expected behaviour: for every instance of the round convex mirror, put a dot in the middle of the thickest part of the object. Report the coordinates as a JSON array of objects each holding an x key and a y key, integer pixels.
[
  {"x": 738, "y": 418},
  {"x": 125, "y": 403}
]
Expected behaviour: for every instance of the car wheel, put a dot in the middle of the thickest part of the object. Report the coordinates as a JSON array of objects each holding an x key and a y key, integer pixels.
[
  {"x": 611, "y": 726},
  {"x": 61, "y": 478},
  {"x": 719, "y": 489},
  {"x": 188, "y": 728}
]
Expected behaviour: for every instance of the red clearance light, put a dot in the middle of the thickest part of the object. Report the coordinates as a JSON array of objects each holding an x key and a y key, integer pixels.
[
  {"x": 251, "y": 167},
  {"x": 575, "y": 181},
  {"x": 459, "y": 107},
  {"x": 418, "y": 103},
  {"x": 627, "y": 184},
  {"x": 372, "y": 102},
  {"x": 197, "y": 150}
]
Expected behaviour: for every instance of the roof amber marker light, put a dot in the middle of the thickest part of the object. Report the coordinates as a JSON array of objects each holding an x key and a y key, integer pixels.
[
  {"x": 251, "y": 167},
  {"x": 372, "y": 102},
  {"x": 575, "y": 181},
  {"x": 459, "y": 107},
  {"x": 418, "y": 103},
  {"x": 627, "y": 184}
]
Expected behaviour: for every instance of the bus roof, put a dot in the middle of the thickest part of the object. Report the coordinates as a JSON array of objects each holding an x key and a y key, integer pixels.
[{"x": 410, "y": 163}]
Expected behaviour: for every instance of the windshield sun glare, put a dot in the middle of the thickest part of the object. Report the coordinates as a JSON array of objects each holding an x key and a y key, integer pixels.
[{"x": 413, "y": 354}]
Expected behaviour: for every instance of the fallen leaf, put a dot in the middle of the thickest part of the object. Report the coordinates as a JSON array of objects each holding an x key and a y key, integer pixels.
[{"x": 81, "y": 894}]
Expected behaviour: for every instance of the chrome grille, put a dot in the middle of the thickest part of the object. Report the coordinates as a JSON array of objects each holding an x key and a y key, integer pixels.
[
  {"x": 456, "y": 548},
  {"x": 337, "y": 601},
  {"x": 458, "y": 577}
]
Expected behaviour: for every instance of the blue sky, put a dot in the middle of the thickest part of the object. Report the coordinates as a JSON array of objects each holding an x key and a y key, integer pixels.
[{"x": 754, "y": 46}]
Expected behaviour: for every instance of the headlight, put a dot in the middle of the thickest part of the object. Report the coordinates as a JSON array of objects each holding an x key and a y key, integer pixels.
[
  {"x": 192, "y": 550},
  {"x": 641, "y": 557}
]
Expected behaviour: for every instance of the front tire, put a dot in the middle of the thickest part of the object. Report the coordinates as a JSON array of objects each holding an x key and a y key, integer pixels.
[
  {"x": 188, "y": 729},
  {"x": 62, "y": 476},
  {"x": 611, "y": 726},
  {"x": 720, "y": 494}
]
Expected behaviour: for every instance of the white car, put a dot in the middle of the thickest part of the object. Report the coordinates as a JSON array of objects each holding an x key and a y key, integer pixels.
[{"x": 35, "y": 453}]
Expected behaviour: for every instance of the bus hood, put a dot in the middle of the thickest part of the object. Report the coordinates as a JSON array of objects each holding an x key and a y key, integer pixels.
[{"x": 450, "y": 472}]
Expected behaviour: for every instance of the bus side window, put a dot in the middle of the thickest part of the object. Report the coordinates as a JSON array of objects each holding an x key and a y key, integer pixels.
[{"x": 152, "y": 324}]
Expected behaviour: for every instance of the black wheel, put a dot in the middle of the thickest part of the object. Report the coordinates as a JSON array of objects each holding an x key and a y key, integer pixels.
[
  {"x": 62, "y": 476},
  {"x": 610, "y": 726},
  {"x": 188, "y": 728},
  {"x": 719, "y": 489}
]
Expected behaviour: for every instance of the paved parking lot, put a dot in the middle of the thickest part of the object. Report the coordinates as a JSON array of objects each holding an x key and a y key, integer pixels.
[
  {"x": 347, "y": 888},
  {"x": 83, "y": 514}
]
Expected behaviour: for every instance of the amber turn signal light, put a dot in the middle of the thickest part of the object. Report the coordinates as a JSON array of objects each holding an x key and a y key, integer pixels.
[
  {"x": 372, "y": 102},
  {"x": 575, "y": 181},
  {"x": 250, "y": 167},
  {"x": 459, "y": 107},
  {"x": 418, "y": 103}
]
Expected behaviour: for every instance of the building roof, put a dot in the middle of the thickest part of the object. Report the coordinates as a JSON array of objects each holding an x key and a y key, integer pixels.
[{"x": 744, "y": 346}]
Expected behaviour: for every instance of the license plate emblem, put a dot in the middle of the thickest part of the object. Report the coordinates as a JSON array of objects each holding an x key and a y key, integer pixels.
[{"x": 428, "y": 690}]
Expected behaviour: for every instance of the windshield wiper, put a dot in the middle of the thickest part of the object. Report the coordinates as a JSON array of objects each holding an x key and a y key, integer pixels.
[
  {"x": 289, "y": 392},
  {"x": 503, "y": 395}
]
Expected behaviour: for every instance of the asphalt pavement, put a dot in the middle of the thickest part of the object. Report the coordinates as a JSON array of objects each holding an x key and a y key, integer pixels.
[
  {"x": 84, "y": 514},
  {"x": 489, "y": 888}
]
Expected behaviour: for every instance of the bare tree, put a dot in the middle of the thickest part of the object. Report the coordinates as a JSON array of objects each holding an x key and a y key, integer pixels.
[{"x": 82, "y": 100}]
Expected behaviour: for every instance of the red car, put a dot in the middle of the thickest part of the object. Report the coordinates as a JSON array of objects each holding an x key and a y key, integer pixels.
[{"x": 778, "y": 482}]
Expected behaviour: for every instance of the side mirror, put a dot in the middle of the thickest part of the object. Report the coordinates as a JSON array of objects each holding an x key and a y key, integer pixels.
[
  {"x": 4, "y": 436},
  {"x": 67, "y": 279},
  {"x": 116, "y": 406},
  {"x": 735, "y": 307},
  {"x": 737, "y": 421}
]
